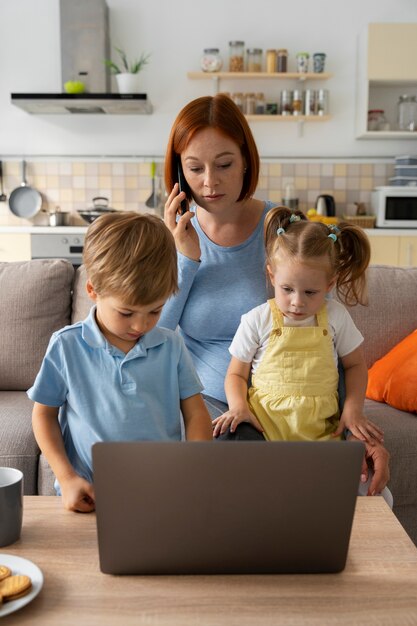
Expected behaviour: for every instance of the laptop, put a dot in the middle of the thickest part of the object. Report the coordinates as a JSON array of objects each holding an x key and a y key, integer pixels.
[{"x": 225, "y": 507}]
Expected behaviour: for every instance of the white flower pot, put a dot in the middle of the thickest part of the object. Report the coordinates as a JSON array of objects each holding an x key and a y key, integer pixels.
[{"x": 128, "y": 83}]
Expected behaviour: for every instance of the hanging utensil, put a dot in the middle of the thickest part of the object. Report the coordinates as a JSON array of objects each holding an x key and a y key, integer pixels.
[
  {"x": 25, "y": 201},
  {"x": 3, "y": 196},
  {"x": 152, "y": 201}
]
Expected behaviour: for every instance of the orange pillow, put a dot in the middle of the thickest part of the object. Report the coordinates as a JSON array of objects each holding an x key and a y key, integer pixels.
[{"x": 393, "y": 379}]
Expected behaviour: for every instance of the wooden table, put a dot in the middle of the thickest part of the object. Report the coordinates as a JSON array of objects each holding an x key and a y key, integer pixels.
[{"x": 378, "y": 586}]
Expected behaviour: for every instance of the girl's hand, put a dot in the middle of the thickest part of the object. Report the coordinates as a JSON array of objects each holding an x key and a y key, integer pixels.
[
  {"x": 78, "y": 494},
  {"x": 362, "y": 428},
  {"x": 231, "y": 419},
  {"x": 186, "y": 238}
]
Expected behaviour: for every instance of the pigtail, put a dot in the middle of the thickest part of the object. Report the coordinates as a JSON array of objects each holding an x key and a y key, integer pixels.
[
  {"x": 354, "y": 257},
  {"x": 277, "y": 218}
]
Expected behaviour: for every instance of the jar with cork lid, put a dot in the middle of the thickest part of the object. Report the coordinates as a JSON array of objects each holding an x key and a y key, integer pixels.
[
  {"x": 254, "y": 60},
  {"x": 236, "y": 56},
  {"x": 282, "y": 58}
]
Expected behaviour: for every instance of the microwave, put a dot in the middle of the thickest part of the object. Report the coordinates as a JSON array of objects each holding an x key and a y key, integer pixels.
[{"x": 395, "y": 207}]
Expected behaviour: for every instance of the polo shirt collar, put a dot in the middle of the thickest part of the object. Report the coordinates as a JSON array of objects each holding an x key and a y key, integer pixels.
[{"x": 93, "y": 336}]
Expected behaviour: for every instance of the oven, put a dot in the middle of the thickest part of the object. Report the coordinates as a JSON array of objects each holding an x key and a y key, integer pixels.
[{"x": 58, "y": 246}]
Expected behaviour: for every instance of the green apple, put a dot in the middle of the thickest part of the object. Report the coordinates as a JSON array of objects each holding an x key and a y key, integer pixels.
[{"x": 74, "y": 86}]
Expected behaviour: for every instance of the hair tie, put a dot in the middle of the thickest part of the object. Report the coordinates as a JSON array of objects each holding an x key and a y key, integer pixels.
[
  {"x": 334, "y": 228},
  {"x": 295, "y": 218},
  {"x": 280, "y": 231},
  {"x": 333, "y": 237}
]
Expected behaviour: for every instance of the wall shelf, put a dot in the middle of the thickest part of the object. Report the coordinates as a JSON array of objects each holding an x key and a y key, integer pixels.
[{"x": 258, "y": 75}]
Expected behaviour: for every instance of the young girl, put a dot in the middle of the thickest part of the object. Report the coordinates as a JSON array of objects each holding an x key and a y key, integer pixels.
[{"x": 290, "y": 345}]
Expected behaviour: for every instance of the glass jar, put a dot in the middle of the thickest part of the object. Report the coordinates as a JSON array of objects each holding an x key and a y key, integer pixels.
[
  {"x": 259, "y": 104},
  {"x": 250, "y": 104},
  {"x": 254, "y": 60},
  {"x": 322, "y": 101},
  {"x": 310, "y": 102},
  {"x": 282, "y": 56},
  {"x": 236, "y": 56},
  {"x": 376, "y": 118},
  {"x": 271, "y": 61},
  {"x": 297, "y": 102},
  {"x": 302, "y": 62},
  {"x": 211, "y": 60},
  {"x": 286, "y": 102},
  {"x": 407, "y": 113},
  {"x": 238, "y": 99}
]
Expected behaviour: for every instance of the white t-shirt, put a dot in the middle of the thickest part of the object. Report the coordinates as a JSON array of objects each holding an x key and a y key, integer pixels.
[{"x": 251, "y": 338}]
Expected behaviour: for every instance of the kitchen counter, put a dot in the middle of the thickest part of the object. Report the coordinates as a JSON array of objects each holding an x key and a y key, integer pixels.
[{"x": 56, "y": 230}]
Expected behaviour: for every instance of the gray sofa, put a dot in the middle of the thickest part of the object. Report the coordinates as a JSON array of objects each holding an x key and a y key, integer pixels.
[{"x": 38, "y": 297}]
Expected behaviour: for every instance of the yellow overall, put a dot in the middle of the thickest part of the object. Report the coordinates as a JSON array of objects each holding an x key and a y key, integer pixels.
[{"x": 294, "y": 389}]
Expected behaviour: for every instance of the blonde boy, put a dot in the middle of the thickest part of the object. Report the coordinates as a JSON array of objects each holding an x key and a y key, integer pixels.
[{"x": 115, "y": 376}]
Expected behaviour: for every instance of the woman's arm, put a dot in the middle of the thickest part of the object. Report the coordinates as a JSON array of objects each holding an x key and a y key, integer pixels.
[
  {"x": 172, "y": 311},
  {"x": 236, "y": 387},
  {"x": 77, "y": 493},
  {"x": 196, "y": 419}
]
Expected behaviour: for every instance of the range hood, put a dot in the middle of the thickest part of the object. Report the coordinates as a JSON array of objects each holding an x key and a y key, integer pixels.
[
  {"x": 85, "y": 42},
  {"x": 98, "y": 103}
]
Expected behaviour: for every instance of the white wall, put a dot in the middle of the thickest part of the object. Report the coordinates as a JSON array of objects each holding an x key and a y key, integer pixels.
[{"x": 175, "y": 32}]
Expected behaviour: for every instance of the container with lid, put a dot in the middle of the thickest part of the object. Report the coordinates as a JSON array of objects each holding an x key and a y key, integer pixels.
[
  {"x": 237, "y": 98},
  {"x": 286, "y": 102},
  {"x": 322, "y": 101},
  {"x": 250, "y": 104},
  {"x": 236, "y": 56},
  {"x": 271, "y": 61},
  {"x": 407, "y": 112},
  {"x": 302, "y": 62},
  {"x": 310, "y": 102},
  {"x": 282, "y": 57},
  {"x": 259, "y": 103},
  {"x": 211, "y": 60},
  {"x": 254, "y": 60},
  {"x": 297, "y": 102},
  {"x": 319, "y": 59}
]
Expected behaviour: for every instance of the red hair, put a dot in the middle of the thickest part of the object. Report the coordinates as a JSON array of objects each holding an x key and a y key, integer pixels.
[{"x": 221, "y": 113}]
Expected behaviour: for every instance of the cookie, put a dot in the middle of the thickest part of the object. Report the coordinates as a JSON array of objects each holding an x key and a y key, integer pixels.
[
  {"x": 4, "y": 572},
  {"x": 14, "y": 587}
]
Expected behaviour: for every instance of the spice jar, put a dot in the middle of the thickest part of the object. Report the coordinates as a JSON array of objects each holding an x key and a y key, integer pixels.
[
  {"x": 271, "y": 61},
  {"x": 259, "y": 103},
  {"x": 310, "y": 102},
  {"x": 297, "y": 102},
  {"x": 254, "y": 60},
  {"x": 238, "y": 99},
  {"x": 322, "y": 101},
  {"x": 286, "y": 102},
  {"x": 250, "y": 104},
  {"x": 236, "y": 52},
  {"x": 211, "y": 60},
  {"x": 282, "y": 56}
]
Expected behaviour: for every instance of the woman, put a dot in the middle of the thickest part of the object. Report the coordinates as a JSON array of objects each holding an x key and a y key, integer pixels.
[{"x": 220, "y": 243}]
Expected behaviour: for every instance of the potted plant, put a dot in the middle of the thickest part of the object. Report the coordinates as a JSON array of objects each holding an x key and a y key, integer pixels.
[{"x": 127, "y": 75}]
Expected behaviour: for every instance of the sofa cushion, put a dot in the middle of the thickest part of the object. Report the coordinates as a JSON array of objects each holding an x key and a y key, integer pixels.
[
  {"x": 18, "y": 447},
  {"x": 81, "y": 303},
  {"x": 35, "y": 300},
  {"x": 392, "y": 312},
  {"x": 393, "y": 379}
]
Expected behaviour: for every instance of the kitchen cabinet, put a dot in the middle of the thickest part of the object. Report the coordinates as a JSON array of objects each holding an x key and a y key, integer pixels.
[
  {"x": 386, "y": 69},
  {"x": 15, "y": 247},
  {"x": 293, "y": 77},
  {"x": 398, "y": 249}
]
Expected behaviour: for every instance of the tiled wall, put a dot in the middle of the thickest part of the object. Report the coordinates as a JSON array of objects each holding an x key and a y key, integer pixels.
[{"x": 73, "y": 184}]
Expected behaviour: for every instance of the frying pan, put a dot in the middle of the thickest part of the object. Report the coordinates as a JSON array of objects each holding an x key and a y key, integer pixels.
[{"x": 25, "y": 201}]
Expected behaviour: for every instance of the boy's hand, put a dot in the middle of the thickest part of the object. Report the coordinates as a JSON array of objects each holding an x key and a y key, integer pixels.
[
  {"x": 362, "y": 428},
  {"x": 232, "y": 418},
  {"x": 78, "y": 495}
]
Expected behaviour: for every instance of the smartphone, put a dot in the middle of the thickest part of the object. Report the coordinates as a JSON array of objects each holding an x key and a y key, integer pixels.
[{"x": 183, "y": 186}]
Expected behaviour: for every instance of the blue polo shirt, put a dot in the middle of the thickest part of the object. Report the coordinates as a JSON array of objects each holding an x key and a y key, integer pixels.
[{"x": 107, "y": 395}]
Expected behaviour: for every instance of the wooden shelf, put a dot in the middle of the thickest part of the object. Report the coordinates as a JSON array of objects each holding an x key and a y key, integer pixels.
[
  {"x": 263, "y": 75},
  {"x": 388, "y": 134},
  {"x": 287, "y": 118}
]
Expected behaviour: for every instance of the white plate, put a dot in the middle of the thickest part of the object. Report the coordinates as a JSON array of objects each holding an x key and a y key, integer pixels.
[{"x": 21, "y": 566}]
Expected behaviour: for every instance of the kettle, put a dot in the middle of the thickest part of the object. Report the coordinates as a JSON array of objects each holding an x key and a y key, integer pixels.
[{"x": 325, "y": 205}]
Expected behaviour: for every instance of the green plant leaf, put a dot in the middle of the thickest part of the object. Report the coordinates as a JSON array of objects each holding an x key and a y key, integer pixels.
[{"x": 133, "y": 68}]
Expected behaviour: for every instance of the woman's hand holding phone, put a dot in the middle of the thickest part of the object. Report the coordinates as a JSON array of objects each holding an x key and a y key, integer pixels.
[{"x": 186, "y": 238}]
